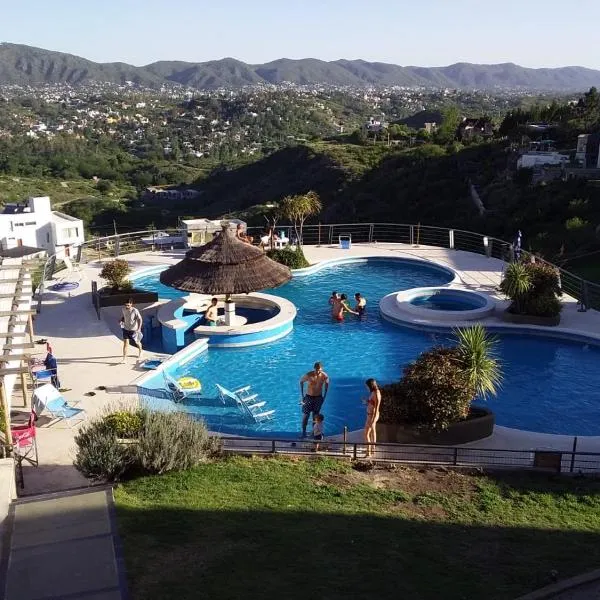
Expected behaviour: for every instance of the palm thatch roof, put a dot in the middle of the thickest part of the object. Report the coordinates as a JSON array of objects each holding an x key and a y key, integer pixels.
[{"x": 226, "y": 265}]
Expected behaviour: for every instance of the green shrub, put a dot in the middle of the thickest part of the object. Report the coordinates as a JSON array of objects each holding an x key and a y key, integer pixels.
[
  {"x": 115, "y": 272},
  {"x": 173, "y": 441},
  {"x": 294, "y": 259},
  {"x": 438, "y": 388},
  {"x": 534, "y": 289},
  {"x": 124, "y": 423},
  {"x": 434, "y": 392},
  {"x": 99, "y": 454},
  {"x": 160, "y": 442}
]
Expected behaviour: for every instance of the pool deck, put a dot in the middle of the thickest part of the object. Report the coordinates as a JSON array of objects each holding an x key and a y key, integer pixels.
[{"x": 89, "y": 352}]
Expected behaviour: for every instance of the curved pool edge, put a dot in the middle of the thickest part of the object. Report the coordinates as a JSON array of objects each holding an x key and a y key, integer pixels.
[
  {"x": 389, "y": 311},
  {"x": 404, "y": 298},
  {"x": 333, "y": 262}
]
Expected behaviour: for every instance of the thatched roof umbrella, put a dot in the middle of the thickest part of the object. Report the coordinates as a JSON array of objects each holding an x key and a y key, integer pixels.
[{"x": 226, "y": 265}]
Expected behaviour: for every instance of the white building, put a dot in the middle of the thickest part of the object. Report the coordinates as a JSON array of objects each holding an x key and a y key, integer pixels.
[
  {"x": 34, "y": 224},
  {"x": 535, "y": 159},
  {"x": 197, "y": 232}
]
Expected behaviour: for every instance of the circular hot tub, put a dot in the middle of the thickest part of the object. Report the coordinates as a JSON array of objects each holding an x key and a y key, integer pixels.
[{"x": 443, "y": 304}]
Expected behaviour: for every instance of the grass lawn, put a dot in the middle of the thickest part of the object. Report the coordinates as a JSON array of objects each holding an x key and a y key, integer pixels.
[{"x": 286, "y": 529}]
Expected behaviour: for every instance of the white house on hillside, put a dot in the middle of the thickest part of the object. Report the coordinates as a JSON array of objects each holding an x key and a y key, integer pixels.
[{"x": 35, "y": 225}]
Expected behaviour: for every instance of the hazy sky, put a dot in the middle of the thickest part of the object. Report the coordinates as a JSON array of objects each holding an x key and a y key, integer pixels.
[{"x": 533, "y": 33}]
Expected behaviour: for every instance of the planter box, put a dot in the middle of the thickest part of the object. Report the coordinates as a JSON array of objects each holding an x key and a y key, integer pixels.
[
  {"x": 530, "y": 319},
  {"x": 479, "y": 425},
  {"x": 118, "y": 299}
]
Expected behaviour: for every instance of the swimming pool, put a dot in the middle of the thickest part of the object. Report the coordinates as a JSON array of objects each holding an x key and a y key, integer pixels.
[
  {"x": 550, "y": 386},
  {"x": 453, "y": 300}
]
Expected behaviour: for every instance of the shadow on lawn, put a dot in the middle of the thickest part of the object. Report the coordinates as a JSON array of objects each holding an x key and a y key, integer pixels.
[{"x": 172, "y": 553}]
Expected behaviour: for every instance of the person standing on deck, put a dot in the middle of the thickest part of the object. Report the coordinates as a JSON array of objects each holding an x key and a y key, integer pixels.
[
  {"x": 312, "y": 401},
  {"x": 131, "y": 324}
]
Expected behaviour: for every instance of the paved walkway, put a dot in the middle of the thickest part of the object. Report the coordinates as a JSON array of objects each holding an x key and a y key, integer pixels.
[
  {"x": 89, "y": 351},
  {"x": 64, "y": 547}
]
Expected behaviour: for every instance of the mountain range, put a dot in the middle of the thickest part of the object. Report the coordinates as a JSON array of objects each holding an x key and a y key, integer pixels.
[{"x": 26, "y": 65}]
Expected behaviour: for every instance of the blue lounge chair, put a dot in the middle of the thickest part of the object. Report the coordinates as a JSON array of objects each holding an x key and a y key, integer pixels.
[
  {"x": 48, "y": 398},
  {"x": 246, "y": 402}
]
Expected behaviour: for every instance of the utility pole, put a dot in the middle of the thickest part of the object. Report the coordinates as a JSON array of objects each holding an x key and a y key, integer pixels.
[{"x": 115, "y": 226}]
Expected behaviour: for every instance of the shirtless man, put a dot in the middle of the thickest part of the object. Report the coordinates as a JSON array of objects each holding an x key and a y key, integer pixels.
[
  {"x": 212, "y": 313},
  {"x": 312, "y": 401}
]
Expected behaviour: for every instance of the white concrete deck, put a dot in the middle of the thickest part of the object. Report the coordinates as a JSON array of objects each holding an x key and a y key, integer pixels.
[{"x": 89, "y": 351}]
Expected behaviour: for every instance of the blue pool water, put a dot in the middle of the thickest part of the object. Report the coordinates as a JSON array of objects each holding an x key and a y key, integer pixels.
[
  {"x": 450, "y": 300},
  {"x": 550, "y": 386}
]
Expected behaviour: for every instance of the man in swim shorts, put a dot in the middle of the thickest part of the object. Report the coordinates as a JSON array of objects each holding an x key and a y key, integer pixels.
[
  {"x": 312, "y": 401},
  {"x": 211, "y": 314},
  {"x": 131, "y": 325}
]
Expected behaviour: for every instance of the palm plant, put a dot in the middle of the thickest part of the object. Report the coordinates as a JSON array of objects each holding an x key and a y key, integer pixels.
[
  {"x": 477, "y": 352},
  {"x": 516, "y": 283},
  {"x": 298, "y": 208}
]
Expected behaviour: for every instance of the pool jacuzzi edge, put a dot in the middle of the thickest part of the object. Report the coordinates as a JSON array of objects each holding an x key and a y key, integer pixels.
[{"x": 404, "y": 299}]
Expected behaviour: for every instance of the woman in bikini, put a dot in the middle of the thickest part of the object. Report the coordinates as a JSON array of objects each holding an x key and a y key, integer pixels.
[{"x": 373, "y": 404}]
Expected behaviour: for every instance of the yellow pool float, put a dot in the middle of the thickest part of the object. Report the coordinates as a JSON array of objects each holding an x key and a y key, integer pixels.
[{"x": 189, "y": 383}]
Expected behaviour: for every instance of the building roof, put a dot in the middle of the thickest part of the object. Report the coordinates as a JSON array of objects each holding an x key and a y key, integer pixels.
[
  {"x": 20, "y": 251},
  {"x": 58, "y": 216}
]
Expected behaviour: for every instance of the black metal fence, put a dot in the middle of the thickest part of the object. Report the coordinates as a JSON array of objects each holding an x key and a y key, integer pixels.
[
  {"x": 542, "y": 459},
  {"x": 585, "y": 292}
]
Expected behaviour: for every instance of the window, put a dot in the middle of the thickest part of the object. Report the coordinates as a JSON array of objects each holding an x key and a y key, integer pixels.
[
  {"x": 30, "y": 223},
  {"x": 47, "y": 238},
  {"x": 70, "y": 232}
]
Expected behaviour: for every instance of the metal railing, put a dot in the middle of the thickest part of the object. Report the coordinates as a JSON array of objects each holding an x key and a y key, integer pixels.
[
  {"x": 543, "y": 459},
  {"x": 585, "y": 292}
]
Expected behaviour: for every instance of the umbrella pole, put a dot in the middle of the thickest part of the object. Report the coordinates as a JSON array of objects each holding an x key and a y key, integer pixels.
[{"x": 229, "y": 310}]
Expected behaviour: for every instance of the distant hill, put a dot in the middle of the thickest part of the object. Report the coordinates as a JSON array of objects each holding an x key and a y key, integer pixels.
[{"x": 21, "y": 64}]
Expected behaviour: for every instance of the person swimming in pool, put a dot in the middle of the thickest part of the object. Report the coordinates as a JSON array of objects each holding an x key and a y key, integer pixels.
[
  {"x": 361, "y": 304},
  {"x": 340, "y": 307}
]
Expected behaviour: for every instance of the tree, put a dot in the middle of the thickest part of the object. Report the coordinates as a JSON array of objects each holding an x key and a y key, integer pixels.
[
  {"x": 299, "y": 208},
  {"x": 450, "y": 121},
  {"x": 115, "y": 272}
]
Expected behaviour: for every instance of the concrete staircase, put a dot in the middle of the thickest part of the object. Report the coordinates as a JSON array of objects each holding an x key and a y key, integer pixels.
[{"x": 62, "y": 546}]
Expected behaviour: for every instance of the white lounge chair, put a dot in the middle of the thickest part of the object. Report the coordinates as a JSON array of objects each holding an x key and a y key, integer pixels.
[
  {"x": 48, "y": 398},
  {"x": 245, "y": 401}
]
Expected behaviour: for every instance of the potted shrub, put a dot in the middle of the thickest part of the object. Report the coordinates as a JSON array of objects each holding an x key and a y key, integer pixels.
[
  {"x": 432, "y": 403},
  {"x": 119, "y": 288},
  {"x": 534, "y": 291}
]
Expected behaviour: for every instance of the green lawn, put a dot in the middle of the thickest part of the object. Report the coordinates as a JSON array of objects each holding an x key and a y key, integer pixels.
[{"x": 276, "y": 528}]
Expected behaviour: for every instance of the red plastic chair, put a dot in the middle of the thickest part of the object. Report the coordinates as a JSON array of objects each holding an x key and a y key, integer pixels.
[{"x": 25, "y": 442}]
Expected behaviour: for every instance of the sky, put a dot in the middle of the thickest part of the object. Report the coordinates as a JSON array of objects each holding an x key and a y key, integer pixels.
[{"x": 532, "y": 33}]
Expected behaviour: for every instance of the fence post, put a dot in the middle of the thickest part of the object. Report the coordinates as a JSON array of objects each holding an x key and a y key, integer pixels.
[
  {"x": 345, "y": 439},
  {"x": 272, "y": 446},
  {"x": 117, "y": 245},
  {"x": 451, "y": 239},
  {"x": 371, "y": 233},
  {"x": 573, "y": 455},
  {"x": 411, "y": 235},
  {"x": 319, "y": 244},
  {"x": 487, "y": 247},
  {"x": 585, "y": 296},
  {"x": 455, "y": 458},
  {"x": 355, "y": 451},
  {"x": 330, "y": 234}
]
